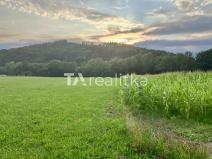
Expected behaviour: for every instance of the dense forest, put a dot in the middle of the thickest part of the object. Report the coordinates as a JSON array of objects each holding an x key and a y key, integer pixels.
[{"x": 57, "y": 58}]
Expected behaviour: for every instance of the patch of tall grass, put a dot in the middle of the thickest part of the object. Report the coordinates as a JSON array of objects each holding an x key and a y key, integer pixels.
[
  {"x": 185, "y": 94},
  {"x": 150, "y": 143}
]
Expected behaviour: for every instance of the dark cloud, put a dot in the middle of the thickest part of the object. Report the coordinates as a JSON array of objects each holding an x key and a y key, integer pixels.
[{"x": 188, "y": 25}]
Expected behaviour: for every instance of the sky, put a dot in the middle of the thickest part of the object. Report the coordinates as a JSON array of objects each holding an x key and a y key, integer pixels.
[{"x": 171, "y": 25}]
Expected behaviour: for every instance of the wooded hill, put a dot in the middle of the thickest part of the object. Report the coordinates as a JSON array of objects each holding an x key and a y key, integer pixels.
[{"x": 56, "y": 58}]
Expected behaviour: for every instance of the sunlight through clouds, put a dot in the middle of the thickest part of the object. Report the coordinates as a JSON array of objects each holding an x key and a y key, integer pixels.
[{"x": 122, "y": 21}]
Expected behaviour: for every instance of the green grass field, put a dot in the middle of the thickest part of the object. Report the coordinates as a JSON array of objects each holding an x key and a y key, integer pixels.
[{"x": 43, "y": 118}]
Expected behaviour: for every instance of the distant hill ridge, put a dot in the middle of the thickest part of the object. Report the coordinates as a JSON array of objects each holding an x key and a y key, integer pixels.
[
  {"x": 57, "y": 58},
  {"x": 67, "y": 51}
]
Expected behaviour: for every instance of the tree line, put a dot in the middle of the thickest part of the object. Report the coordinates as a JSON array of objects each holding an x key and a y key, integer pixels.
[{"x": 43, "y": 60}]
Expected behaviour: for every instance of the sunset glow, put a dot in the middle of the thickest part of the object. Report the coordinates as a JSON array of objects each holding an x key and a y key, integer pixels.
[{"x": 137, "y": 22}]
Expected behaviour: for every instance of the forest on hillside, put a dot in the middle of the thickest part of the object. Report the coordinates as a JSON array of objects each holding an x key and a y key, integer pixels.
[{"x": 57, "y": 58}]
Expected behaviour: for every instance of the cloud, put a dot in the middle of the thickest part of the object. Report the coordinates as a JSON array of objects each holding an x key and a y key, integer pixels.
[
  {"x": 124, "y": 4},
  {"x": 178, "y": 20},
  {"x": 53, "y": 9},
  {"x": 113, "y": 28},
  {"x": 159, "y": 12},
  {"x": 58, "y": 10},
  {"x": 131, "y": 35},
  {"x": 3, "y": 28},
  {"x": 190, "y": 28},
  {"x": 187, "y": 5},
  {"x": 207, "y": 2},
  {"x": 7, "y": 37},
  {"x": 191, "y": 7},
  {"x": 38, "y": 38},
  {"x": 187, "y": 25},
  {"x": 4, "y": 36}
]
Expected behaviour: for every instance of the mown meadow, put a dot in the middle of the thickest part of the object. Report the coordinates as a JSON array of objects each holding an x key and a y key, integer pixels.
[{"x": 44, "y": 118}]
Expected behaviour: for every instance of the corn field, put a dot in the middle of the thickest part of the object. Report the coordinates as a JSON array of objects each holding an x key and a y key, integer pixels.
[{"x": 186, "y": 95}]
